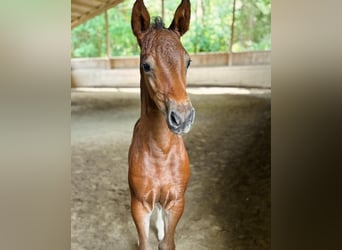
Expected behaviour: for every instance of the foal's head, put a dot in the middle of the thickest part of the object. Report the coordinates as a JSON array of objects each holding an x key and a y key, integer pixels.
[{"x": 164, "y": 63}]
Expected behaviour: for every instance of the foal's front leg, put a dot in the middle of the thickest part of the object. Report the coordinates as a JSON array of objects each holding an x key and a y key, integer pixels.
[
  {"x": 172, "y": 217},
  {"x": 141, "y": 216}
]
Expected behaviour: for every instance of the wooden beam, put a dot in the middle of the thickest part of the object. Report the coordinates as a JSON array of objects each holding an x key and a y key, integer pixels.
[
  {"x": 230, "y": 62},
  {"x": 77, "y": 12},
  {"x": 94, "y": 12},
  {"x": 80, "y": 8},
  {"x": 88, "y": 3},
  {"x": 107, "y": 35}
]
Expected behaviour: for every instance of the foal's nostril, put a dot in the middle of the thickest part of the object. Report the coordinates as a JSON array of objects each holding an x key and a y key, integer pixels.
[
  {"x": 175, "y": 119},
  {"x": 180, "y": 117}
]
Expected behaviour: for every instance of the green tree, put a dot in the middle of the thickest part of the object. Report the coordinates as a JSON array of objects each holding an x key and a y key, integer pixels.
[
  {"x": 209, "y": 28},
  {"x": 123, "y": 43},
  {"x": 253, "y": 25},
  {"x": 89, "y": 39}
]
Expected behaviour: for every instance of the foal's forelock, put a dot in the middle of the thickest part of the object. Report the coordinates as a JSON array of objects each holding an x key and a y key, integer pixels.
[{"x": 158, "y": 23}]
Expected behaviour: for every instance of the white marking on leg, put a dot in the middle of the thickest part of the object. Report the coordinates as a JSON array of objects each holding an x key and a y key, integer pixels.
[
  {"x": 147, "y": 223},
  {"x": 166, "y": 217},
  {"x": 160, "y": 223}
]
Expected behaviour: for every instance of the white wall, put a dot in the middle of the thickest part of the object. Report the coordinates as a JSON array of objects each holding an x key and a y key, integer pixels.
[{"x": 251, "y": 69}]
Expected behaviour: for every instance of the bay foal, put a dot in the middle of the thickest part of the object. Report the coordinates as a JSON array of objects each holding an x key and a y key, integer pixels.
[{"x": 158, "y": 162}]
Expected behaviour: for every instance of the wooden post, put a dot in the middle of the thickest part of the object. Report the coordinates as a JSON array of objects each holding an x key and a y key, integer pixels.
[
  {"x": 163, "y": 10},
  {"x": 230, "y": 61},
  {"x": 107, "y": 36}
]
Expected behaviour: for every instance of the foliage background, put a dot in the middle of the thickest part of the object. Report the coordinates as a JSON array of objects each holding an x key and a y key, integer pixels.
[{"x": 209, "y": 28}]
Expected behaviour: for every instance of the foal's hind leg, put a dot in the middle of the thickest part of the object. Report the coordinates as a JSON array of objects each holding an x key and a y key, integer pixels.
[
  {"x": 141, "y": 216},
  {"x": 172, "y": 217}
]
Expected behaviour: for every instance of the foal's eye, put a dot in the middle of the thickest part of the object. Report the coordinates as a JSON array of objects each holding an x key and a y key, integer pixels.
[
  {"x": 146, "y": 67},
  {"x": 188, "y": 63}
]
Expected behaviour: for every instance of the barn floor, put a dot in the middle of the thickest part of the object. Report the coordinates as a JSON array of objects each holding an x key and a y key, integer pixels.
[{"x": 228, "y": 197}]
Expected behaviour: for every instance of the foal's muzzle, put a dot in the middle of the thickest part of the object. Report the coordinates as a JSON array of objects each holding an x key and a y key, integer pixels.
[{"x": 180, "y": 117}]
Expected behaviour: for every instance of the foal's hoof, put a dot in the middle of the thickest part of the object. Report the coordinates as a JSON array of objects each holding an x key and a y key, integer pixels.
[{"x": 166, "y": 245}]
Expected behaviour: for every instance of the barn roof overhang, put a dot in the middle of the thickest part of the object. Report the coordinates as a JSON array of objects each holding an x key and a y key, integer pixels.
[{"x": 83, "y": 10}]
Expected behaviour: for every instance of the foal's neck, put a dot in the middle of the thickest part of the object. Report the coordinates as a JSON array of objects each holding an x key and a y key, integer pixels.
[
  {"x": 148, "y": 107},
  {"x": 154, "y": 121}
]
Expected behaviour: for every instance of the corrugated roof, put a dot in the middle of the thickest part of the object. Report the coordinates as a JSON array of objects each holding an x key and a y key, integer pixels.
[{"x": 83, "y": 10}]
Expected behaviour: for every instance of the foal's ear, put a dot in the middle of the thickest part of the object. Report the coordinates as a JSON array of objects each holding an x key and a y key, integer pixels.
[
  {"x": 140, "y": 20},
  {"x": 181, "y": 20}
]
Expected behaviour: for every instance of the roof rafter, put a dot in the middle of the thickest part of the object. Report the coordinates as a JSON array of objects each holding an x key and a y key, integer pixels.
[{"x": 83, "y": 10}]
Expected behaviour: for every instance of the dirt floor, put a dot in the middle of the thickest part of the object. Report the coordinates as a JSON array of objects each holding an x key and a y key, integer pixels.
[{"x": 228, "y": 197}]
